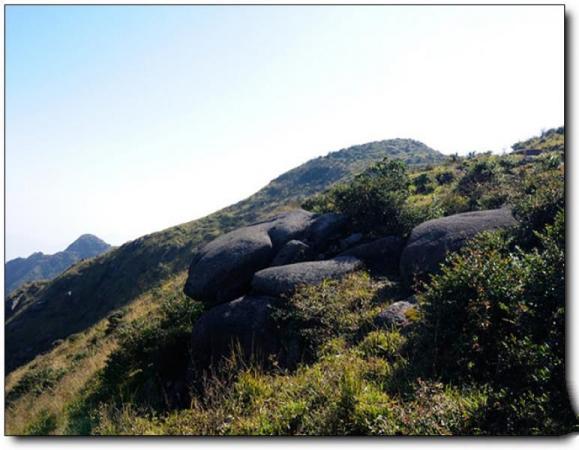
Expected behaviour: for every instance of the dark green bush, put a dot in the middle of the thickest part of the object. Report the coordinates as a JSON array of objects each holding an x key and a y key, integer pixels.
[
  {"x": 423, "y": 184},
  {"x": 149, "y": 367},
  {"x": 495, "y": 315},
  {"x": 374, "y": 201}
]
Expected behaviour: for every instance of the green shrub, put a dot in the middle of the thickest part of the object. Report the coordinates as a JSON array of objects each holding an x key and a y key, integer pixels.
[
  {"x": 540, "y": 197},
  {"x": 335, "y": 308},
  {"x": 496, "y": 316},
  {"x": 374, "y": 200},
  {"x": 42, "y": 425},
  {"x": 423, "y": 184},
  {"x": 153, "y": 354}
]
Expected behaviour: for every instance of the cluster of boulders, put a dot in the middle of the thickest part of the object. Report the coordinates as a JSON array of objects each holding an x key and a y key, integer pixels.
[{"x": 244, "y": 275}]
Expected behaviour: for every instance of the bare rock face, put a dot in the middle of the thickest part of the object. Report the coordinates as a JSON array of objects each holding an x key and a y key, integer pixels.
[
  {"x": 283, "y": 280},
  {"x": 431, "y": 241}
]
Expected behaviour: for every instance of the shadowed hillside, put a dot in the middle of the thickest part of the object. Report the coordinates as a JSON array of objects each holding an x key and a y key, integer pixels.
[
  {"x": 39, "y": 266},
  {"x": 89, "y": 290}
]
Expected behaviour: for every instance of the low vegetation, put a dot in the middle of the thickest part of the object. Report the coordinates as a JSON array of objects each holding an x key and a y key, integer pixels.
[{"x": 483, "y": 354}]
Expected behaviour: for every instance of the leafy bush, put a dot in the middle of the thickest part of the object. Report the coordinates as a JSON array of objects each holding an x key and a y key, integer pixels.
[
  {"x": 536, "y": 203},
  {"x": 316, "y": 314},
  {"x": 423, "y": 183},
  {"x": 374, "y": 200},
  {"x": 495, "y": 315},
  {"x": 149, "y": 366}
]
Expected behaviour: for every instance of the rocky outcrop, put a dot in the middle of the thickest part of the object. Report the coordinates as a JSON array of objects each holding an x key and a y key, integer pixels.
[
  {"x": 431, "y": 241},
  {"x": 382, "y": 255},
  {"x": 243, "y": 327},
  {"x": 223, "y": 269},
  {"x": 283, "y": 280}
]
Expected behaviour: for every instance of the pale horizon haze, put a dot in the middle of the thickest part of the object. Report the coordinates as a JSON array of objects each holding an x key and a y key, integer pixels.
[{"x": 125, "y": 120}]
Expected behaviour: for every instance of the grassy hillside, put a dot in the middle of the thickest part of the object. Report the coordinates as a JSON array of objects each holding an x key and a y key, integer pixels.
[
  {"x": 88, "y": 291},
  {"x": 484, "y": 353}
]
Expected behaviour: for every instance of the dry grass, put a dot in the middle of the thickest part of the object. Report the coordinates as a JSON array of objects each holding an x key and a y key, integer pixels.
[{"x": 91, "y": 348}]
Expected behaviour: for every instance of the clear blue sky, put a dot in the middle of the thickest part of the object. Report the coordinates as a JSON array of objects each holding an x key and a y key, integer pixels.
[{"x": 122, "y": 121}]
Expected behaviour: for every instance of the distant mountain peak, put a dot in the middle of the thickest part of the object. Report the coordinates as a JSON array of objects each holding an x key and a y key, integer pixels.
[
  {"x": 39, "y": 266},
  {"x": 87, "y": 244}
]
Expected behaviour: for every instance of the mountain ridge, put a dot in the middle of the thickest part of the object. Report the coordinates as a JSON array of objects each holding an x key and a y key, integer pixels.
[
  {"x": 89, "y": 290},
  {"x": 40, "y": 266}
]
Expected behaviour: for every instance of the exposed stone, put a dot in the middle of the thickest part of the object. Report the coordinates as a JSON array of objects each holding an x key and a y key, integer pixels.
[
  {"x": 395, "y": 315},
  {"x": 283, "y": 280},
  {"x": 223, "y": 269},
  {"x": 292, "y": 252},
  {"x": 431, "y": 241},
  {"x": 243, "y": 327}
]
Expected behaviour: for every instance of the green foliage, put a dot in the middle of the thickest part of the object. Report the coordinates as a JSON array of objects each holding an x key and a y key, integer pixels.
[
  {"x": 152, "y": 355},
  {"x": 43, "y": 425},
  {"x": 316, "y": 314},
  {"x": 549, "y": 140},
  {"x": 374, "y": 201},
  {"x": 423, "y": 183},
  {"x": 495, "y": 315},
  {"x": 540, "y": 196}
]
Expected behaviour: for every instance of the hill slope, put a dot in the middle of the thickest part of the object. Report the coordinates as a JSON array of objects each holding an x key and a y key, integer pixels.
[
  {"x": 39, "y": 266},
  {"x": 89, "y": 290}
]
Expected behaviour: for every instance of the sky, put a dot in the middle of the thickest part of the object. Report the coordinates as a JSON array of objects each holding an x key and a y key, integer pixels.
[{"x": 122, "y": 121}]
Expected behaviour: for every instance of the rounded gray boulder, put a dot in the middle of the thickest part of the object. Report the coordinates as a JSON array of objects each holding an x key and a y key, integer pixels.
[
  {"x": 431, "y": 241},
  {"x": 283, "y": 280},
  {"x": 243, "y": 327}
]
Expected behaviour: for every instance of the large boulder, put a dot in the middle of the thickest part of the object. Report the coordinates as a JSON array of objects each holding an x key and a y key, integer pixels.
[
  {"x": 243, "y": 327},
  {"x": 327, "y": 228},
  {"x": 431, "y": 241},
  {"x": 289, "y": 225},
  {"x": 222, "y": 270},
  {"x": 382, "y": 255},
  {"x": 292, "y": 252},
  {"x": 284, "y": 280}
]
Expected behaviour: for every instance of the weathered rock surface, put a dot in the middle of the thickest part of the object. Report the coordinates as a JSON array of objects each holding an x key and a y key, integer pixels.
[
  {"x": 283, "y": 280},
  {"x": 382, "y": 254},
  {"x": 430, "y": 242},
  {"x": 290, "y": 225},
  {"x": 223, "y": 269},
  {"x": 395, "y": 315},
  {"x": 326, "y": 228},
  {"x": 351, "y": 240},
  {"x": 292, "y": 252},
  {"x": 243, "y": 326}
]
